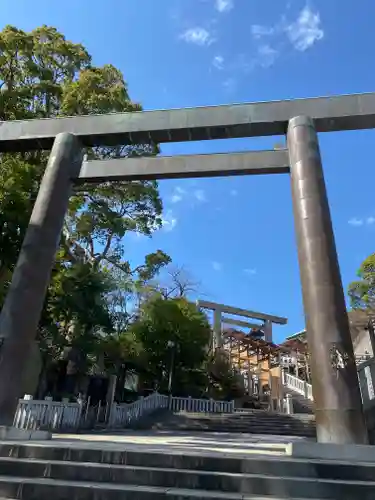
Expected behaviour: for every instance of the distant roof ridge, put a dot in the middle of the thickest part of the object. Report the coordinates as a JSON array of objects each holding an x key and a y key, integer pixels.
[{"x": 295, "y": 335}]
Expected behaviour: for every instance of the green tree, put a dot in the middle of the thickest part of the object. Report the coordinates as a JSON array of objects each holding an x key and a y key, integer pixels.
[
  {"x": 225, "y": 381},
  {"x": 43, "y": 75},
  {"x": 173, "y": 329},
  {"x": 18, "y": 188},
  {"x": 362, "y": 291}
]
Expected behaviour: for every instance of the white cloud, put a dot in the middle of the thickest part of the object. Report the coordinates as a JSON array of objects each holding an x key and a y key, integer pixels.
[
  {"x": 250, "y": 272},
  {"x": 200, "y": 195},
  {"x": 218, "y": 62},
  {"x": 306, "y": 30},
  {"x": 233, "y": 192},
  {"x": 230, "y": 84},
  {"x": 354, "y": 221},
  {"x": 169, "y": 222},
  {"x": 224, "y": 5},
  {"x": 264, "y": 57},
  {"x": 178, "y": 195},
  {"x": 217, "y": 266},
  {"x": 267, "y": 55},
  {"x": 258, "y": 31},
  {"x": 176, "y": 198},
  {"x": 198, "y": 36}
]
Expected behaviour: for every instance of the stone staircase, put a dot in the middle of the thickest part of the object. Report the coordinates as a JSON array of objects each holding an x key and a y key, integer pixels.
[
  {"x": 59, "y": 472},
  {"x": 301, "y": 392},
  {"x": 244, "y": 421},
  {"x": 301, "y": 404}
]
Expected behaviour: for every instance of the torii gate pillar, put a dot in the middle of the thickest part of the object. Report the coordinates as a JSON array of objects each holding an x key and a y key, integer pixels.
[{"x": 337, "y": 397}]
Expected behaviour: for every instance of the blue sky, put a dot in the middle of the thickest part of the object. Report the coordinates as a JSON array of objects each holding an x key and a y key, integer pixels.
[{"x": 235, "y": 235}]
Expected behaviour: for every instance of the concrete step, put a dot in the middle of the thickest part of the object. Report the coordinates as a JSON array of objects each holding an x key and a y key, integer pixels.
[
  {"x": 109, "y": 472},
  {"x": 246, "y": 417},
  {"x": 301, "y": 404},
  {"x": 147, "y": 421},
  {"x": 247, "y": 422},
  {"x": 45, "y": 489},
  {"x": 255, "y": 422},
  {"x": 281, "y": 467},
  {"x": 284, "y": 431},
  {"x": 159, "y": 483},
  {"x": 192, "y": 453},
  {"x": 249, "y": 412},
  {"x": 250, "y": 421},
  {"x": 242, "y": 423}
]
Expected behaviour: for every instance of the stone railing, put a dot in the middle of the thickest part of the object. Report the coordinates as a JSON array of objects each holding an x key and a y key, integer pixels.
[
  {"x": 201, "y": 405},
  {"x": 59, "y": 416},
  {"x": 304, "y": 388},
  {"x": 52, "y": 415},
  {"x": 122, "y": 415},
  {"x": 296, "y": 384},
  {"x": 361, "y": 358}
]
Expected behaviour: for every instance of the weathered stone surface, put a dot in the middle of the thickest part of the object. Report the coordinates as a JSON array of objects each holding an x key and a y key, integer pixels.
[
  {"x": 14, "y": 434},
  {"x": 37, "y": 471}
]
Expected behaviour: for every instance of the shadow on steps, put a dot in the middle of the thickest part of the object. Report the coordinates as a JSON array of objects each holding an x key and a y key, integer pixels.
[{"x": 257, "y": 422}]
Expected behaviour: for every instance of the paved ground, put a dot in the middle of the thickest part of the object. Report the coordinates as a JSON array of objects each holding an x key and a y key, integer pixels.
[{"x": 174, "y": 442}]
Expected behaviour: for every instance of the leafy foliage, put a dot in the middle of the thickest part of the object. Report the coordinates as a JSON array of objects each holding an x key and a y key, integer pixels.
[
  {"x": 87, "y": 307},
  {"x": 43, "y": 75},
  {"x": 362, "y": 291},
  {"x": 173, "y": 327},
  {"x": 225, "y": 382}
]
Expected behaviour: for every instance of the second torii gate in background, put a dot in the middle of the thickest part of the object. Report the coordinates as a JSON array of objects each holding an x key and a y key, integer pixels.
[{"x": 219, "y": 319}]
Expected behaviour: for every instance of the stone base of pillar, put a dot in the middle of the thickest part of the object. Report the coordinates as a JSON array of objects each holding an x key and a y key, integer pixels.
[
  {"x": 14, "y": 434},
  {"x": 20, "y": 366},
  {"x": 32, "y": 370},
  {"x": 326, "y": 451},
  {"x": 341, "y": 427}
]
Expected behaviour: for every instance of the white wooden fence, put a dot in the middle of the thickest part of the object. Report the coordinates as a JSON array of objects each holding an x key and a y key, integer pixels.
[{"x": 58, "y": 416}]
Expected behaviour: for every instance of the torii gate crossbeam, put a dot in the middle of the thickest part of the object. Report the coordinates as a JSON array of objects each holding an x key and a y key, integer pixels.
[
  {"x": 335, "y": 113},
  {"x": 339, "y": 414}
]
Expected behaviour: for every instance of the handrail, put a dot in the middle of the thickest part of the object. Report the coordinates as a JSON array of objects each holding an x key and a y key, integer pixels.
[
  {"x": 57, "y": 416},
  {"x": 298, "y": 385}
]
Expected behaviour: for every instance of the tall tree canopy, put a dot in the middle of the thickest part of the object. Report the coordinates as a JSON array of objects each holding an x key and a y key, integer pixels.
[
  {"x": 43, "y": 75},
  {"x": 173, "y": 329},
  {"x": 362, "y": 291}
]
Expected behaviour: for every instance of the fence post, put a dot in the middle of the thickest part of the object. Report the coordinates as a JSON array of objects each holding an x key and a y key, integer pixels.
[
  {"x": 17, "y": 415},
  {"x": 289, "y": 404},
  {"x": 98, "y": 413},
  {"x": 306, "y": 390},
  {"x": 112, "y": 415},
  {"x": 64, "y": 414},
  {"x": 48, "y": 413},
  {"x": 87, "y": 409},
  {"x": 79, "y": 416},
  {"x": 29, "y": 415}
]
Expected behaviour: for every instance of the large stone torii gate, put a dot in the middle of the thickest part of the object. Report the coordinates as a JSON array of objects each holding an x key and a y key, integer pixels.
[{"x": 339, "y": 414}]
